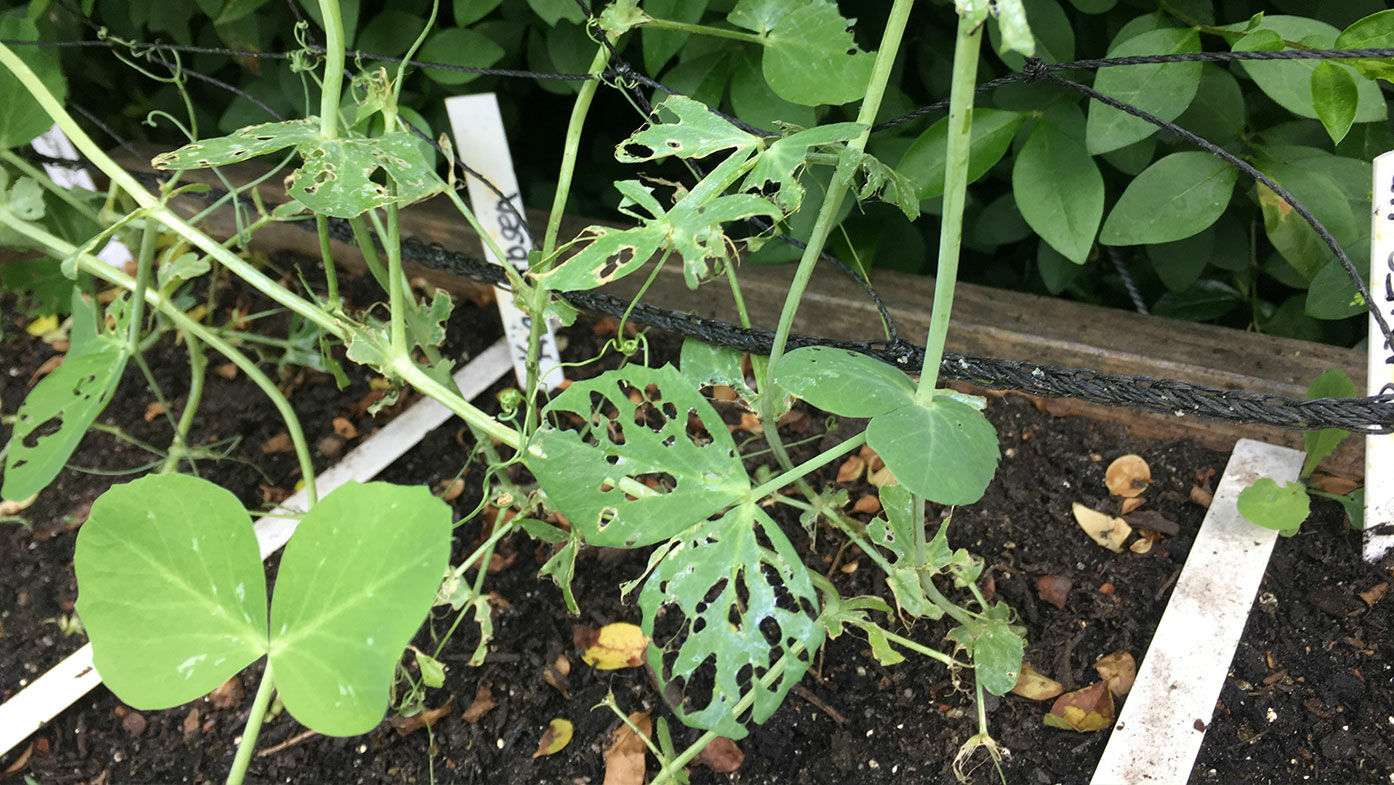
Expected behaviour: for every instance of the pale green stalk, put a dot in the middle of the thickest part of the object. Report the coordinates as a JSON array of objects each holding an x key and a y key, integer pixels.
[
  {"x": 248, "y": 742},
  {"x": 842, "y": 177},
  {"x": 329, "y": 122},
  {"x": 812, "y": 464},
  {"x": 970, "y": 36},
  {"x": 579, "y": 110},
  {"x": 715, "y": 32}
]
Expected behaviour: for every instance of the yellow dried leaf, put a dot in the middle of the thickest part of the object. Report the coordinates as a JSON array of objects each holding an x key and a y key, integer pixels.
[
  {"x": 1118, "y": 670},
  {"x": 42, "y": 326},
  {"x": 1032, "y": 685},
  {"x": 1128, "y": 476},
  {"x": 1106, "y": 530},
  {"x": 1086, "y": 710},
  {"x": 614, "y": 646},
  {"x": 556, "y": 737}
]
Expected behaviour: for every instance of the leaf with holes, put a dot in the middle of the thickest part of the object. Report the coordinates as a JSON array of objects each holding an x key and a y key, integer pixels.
[
  {"x": 997, "y": 647},
  {"x": 844, "y": 382},
  {"x": 171, "y": 589},
  {"x": 785, "y": 158},
  {"x": 354, "y": 585},
  {"x": 945, "y": 450},
  {"x": 241, "y": 145},
  {"x": 650, "y": 458},
  {"x": 696, "y": 231},
  {"x": 686, "y": 129},
  {"x": 706, "y": 364},
  {"x": 609, "y": 255},
  {"x": 896, "y": 533},
  {"x": 873, "y": 179},
  {"x": 344, "y": 178},
  {"x": 55, "y": 416},
  {"x": 810, "y": 56},
  {"x": 742, "y": 600}
]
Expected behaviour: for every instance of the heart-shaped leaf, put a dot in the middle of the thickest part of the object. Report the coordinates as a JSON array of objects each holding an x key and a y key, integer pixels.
[{"x": 945, "y": 451}]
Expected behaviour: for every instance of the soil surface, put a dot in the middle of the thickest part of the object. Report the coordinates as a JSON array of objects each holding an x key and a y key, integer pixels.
[{"x": 1308, "y": 696}]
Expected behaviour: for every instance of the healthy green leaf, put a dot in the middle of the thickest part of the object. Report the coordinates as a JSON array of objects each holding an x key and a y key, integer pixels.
[
  {"x": 1375, "y": 31},
  {"x": 432, "y": 671},
  {"x": 1332, "y": 383},
  {"x": 595, "y": 476},
  {"x": 1174, "y": 198},
  {"x": 1059, "y": 190},
  {"x": 896, "y": 533},
  {"x": 562, "y": 568},
  {"x": 755, "y": 103},
  {"x": 1289, "y": 82},
  {"x": 1282, "y": 508},
  {"x": 945, "y": 451},
  {"x": 23, "y": 118},
  {"x": 467, "y": 12},
  {"x": 171, "y": 589},
  {"x": 1332, "y": 294},
  {"x": 743, "y": 599},
  {"x": 1334, "y": 97},
  {"x": 458, "y": 47},
  {"x": 992, "y": 134},
  {"x": 553, "y": 11},
  {"x": 1179, "y": 264},
  {"x": 661, "y": 45},
  {"x": 1217, "y": 111},
  {"x": 56, "y": 415},
  {"x": 1163, "y": 89},
  {"x": 1206, "y": 299},
  {"x": 1057, "y": 272},
  {"x": 355, "y": 583},
  {"x": 1014, "y": 29},
  {"x": 844, "y": 382},
  {"x": 810, "y": 56}
]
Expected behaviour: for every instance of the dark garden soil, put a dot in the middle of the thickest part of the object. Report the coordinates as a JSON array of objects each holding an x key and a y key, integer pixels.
[{"x": 1310, "y": 696}]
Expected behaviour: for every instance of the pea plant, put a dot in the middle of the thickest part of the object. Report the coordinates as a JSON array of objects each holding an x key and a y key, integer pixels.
[{"x": 634, "y": 458}]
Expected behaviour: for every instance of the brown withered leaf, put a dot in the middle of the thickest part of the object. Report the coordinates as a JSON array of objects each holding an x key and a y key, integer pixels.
[
  {"x": 881, "y": 477},
  {"x": 227, "y": 694},
  {"x": 1330, "y": 483},
  {"x": 1086, "y": 710},
  {"x": 1033, "y": 686},
  {"x": 1106, "y": 530},
  {"x": 722, "y": 755},
  {"x": 624, "y": 758},
  {"x": 419, "y": 720},
  {"x": 450, "y": 490},
  {"x": 614, "y": 646},
  {"x": 872, "y": 460},
  {"x": 277, "y": 444},
  {"x": 483, "y": 701},
  {"x": 1128, "y": 476},
  {"x": 50, "y": 365},
  {"x": 867, "y": 504},
  {"x": 851, "y": 469},
  {"x": 1130, "y": 505},
  {"x": 1153, "y": 521},
  {"x": 1118, "y": 670},
  {"x": 345, "y": 428},
  {"x": 153, "y": 409},
  {"x": 1373, "y": 594},
  {"x": 556, "y": 674},
  {"x": 226, "y": 370},
  {"x": 191, "y": 722},
  {"x": 1201, "y": 496},
  {"x": 1054, "y": 589}
]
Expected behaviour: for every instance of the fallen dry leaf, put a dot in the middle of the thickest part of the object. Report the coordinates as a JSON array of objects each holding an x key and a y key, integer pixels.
[
  {"x": 155, "y": 409},
  {"x": 724, "y": 393},
  {"x": 555, "y": 674},
  {"x": 555, "y": 738},
  {"x": 614, "y": 646},
  {"x": 483, "y": 701},
  {"x": 227, "y": 694},
  {"x": 226, "y": 370},
  {"x": 722, "y": 755},
  {"x": 50, "y": 365},
  {"x": 191, "y": 722},
  {"x": 1054, "y": 589},
  {"x": 343, "y": 427},
  {"x": 1107, "y": 588},
  {"x": 279, "y": 443},
  {"x": 1201, "y": 496},
  {"x": 868, "y": 504},
  {"x": 882, "y": 477},
  {"x": 1130, "y": 505},
  {"x": 1330, "y": 483},
  {"x": 419, "y": 720},
  {"x": 851, "y": 469},
  {"x": 14, "y": 508},
  {"x": 750, "y": 423},
  {"x": 1106, "y": 530},
  {"x": 1141, "y": 545},
  {"x": 451, "y": 489},
  {"x": 1152, "y": 520},
  {"x": 1086, "y": 710},
  {"x": 872, "y": 460},
  {"x": 1372, "y": 594},
  {"x": 134, "y": 723},
  {"x": 42, "y": 326},
  {"x": 1032, "y": 685},
  {"x": 796, "y": 419},
  {"x": 624, "y": 758},
  {"x": 1118, "y": 670},
  {"x": 1128, "y": 476}
]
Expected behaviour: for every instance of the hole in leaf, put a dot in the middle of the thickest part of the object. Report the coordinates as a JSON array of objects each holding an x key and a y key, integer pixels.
[
  {"x": 770, "y": 629},
  {"x": 733, "y": 616},
  {"x": 46, "y": 428},
  {"x": 714, "y": 592},
  {"x": 607, "y": 515},
  {"x": 663, "y": 482},
  {"x": 743, "y": 677},
  {"x": 636, "y": 150},
  {"x": 697, "y": 430}
]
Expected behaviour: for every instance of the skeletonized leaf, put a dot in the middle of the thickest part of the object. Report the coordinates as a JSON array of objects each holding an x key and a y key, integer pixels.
[{"x": 241, "y": 145}]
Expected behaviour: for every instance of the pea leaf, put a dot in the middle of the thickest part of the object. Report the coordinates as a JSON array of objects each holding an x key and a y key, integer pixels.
[
  {"x": 596, "y": 475},
  {"x": 754, "y": 101},
  {"x": 1163, "y": 89},
  {"x": 241, "y": 145},
  {"x": 686, "y": 129},
  {"x": 945, "y": 451},
  {"x": 844, "y": 382},
  {"x": 1272, "y": 506},
  {"x": 996, "y": 646},
  {"x": 1059, "y": 190},
  {"x": 1334, "y": 97},
  {"x": 742, "y": 598},
  {"x": 785, "y": 158},
  {"x": 23, "y": 118},
  {"x": 661, "y": 45},
  {"x": 992, "y": 134},
  {"x": 1174, "y": 198},
  {"x": 810, "y": 56},
  {"x": 339, "y": 176},
  {"x": 56, "y": 415},
  {"x": 1375, "y": 31},
  {"x": 355, "y": 583},
  {"x": 1332, "y": 383},
  {"x": 170, "y": 589}
]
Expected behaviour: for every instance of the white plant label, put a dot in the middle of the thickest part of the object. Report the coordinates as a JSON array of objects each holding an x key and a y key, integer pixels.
[
  {"x": 1379, "y": 450},
  {"x": 56, "y": 144},
  {"x": 481, "y": 145}
]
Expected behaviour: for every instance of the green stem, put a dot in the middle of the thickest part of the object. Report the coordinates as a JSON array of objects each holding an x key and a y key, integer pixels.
[
  {"x": 145, "y": 257},
  {"x": 965, "y": 69},
  {"x": 197, "y": 363},
  {"x": 155, "y": 208},
  {"x": 369, "y": 250},
  {"x": 920, "y": 648},
  {"x": 579, "y": 110},
  {"x": 331, "y": 277},
  {"x": 716, "y": 32},
  {"x": 99, "y": 269},
  {"x": 247, "y": 745},
  {"x": 417, "y": 377},
  {"x": 396, "y": 295},
  {"x": 65, "y": 194},
  {"x": 812, "y": 464},
  {"x": 832, "y": 203},
  {"x": 333, "y": 68}
]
